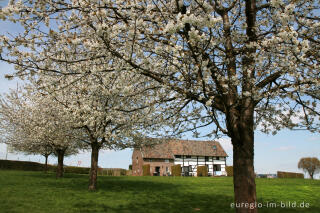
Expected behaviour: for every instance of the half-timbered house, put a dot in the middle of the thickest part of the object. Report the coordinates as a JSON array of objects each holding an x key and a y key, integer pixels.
[{"x": 188, "y": 153}]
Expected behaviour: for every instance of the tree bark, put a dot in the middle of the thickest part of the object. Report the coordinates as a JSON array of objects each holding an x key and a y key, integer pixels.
[
  {"x": 60, "y": 153},
  {"x": 46, "y": 163},
  {"x": 240, "y": 125},
  {"x": 244, "y": 176},
  {"x": 94, "y": 166}
]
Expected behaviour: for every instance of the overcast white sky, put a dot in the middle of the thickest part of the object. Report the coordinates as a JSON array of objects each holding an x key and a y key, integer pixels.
[{"x": 272, "y": 153}]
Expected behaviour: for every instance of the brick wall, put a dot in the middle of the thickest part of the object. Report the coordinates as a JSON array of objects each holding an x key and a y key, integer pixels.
[
  {"x": 137, "y": 163},
  {"x": 162, "y": 166}
]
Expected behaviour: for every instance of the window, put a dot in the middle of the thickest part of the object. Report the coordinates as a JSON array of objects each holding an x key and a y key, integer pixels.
[
  {"x": 217, "y": 158},
  {"x": 214, "y": 147},
  {"x": 217, "y": 167},
  {"x": 206, "y": 158},
  {"x": 177, "y": 156},
  {"x": 166, "y": 160},
  {"x": 167, "y": 169},
  {"x": 137, "y": 159},
  {"x": 188, "y": 156}
]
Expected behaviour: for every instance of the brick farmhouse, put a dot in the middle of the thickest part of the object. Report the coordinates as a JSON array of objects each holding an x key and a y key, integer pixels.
[{"x": 188, "y": 153}]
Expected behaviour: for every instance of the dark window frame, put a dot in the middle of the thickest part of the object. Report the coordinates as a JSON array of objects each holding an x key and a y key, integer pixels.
[{"x": 217, "y": 167}]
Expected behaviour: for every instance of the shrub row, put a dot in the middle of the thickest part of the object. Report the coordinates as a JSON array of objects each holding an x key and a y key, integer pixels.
[
  {"x": 75, "y": 169},
  {"x": 289, "y": 175},
  {"x": 34, "y": 166},
  {"x": 176, "y": 170},
  {"x": 146, "y": 170},
  {"x": 113, "y": 172},
  {"x": 21, "y": 165},
  {"x": 202, "y": 171},
  {"x": 229, "y": 170}
]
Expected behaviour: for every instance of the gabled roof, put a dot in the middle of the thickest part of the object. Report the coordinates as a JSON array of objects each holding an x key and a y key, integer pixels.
[{"x": 169, "y": 148}]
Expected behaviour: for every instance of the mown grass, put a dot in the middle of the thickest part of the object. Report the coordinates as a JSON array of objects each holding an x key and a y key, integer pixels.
[{"x": 38, "y": 192}]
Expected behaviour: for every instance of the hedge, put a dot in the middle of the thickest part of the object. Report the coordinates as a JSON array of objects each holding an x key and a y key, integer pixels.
[
  {"x": 21, "y": 165},
  {"x": 229, "y": 170},
  {"x": 176, "y": 170},
  {"x": 114, "y": 172},
  {"x": 289, "y": 175},
  {"x": 34, "y": 166},
  {"x": 146, "y": 170},
  {"x": 202, "y": 171},
  {"x": 75, "y": 169}
]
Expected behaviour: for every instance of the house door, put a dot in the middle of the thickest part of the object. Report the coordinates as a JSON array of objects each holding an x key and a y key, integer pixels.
[
  {"x": 157, "y": 171},
  {"x": 186, "y": 170},
  {"x": 217, "y": 169}
]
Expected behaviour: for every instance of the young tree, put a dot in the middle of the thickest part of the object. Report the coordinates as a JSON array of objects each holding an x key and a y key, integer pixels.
[
  {"x": 34, "y": 123},
  {"x": 20, "y": 145},
  {"x": 110, "y": 107},
  {"x": 240, "y": 64},
  {"x": 14, "y": 136},
  {"x": 310, "y": 165}
]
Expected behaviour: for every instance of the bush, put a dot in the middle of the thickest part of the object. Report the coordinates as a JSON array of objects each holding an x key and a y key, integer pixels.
[
  {"x": 33, "y": 166},
  {"x": 114, "y": 172},
  {"x": 229, "y": 170},
  {"x": 77, "y": 170},
  {"x": 176, "y": 170},
  {"x": 146, "y": 170},
  {"x": 109, "y": 172},
  {"x": 21, "y": 165},
  {"x": 202, "y": 171},
  {"x": 130, "y": 167},
  {"x": 289, "y": 175},
  {"x": 129, "y": 173}
]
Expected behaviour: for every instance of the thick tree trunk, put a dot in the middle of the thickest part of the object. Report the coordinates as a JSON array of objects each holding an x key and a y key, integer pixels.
[
  {"x": 60, "y": 153},
  {"x": 94, "y": 166},
  {"x": 240, "y": 125},
  {"x": 244, "y": 176}
]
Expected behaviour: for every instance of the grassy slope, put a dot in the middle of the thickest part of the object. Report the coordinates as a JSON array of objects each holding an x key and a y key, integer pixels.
[{"x": 37, "y": 192}]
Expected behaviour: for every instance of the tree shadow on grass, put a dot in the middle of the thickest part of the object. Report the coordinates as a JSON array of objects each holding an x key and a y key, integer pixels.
[
  {"x": 148, "y": 194},
  {"x": 152, "y": 195},
  {"x": 156, "y": 195}
]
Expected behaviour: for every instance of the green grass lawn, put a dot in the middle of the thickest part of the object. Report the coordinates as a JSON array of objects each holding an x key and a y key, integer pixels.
[{"x": 34, "y": 192}]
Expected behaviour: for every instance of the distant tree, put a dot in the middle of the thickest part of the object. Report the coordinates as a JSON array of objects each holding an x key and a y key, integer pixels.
[
  {"x": 310, "y": 165},
  {"x": 44, "y": 149},
  {"x": 32, "y": 122}
]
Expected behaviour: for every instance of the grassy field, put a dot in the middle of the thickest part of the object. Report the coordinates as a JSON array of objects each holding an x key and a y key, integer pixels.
[{"x": 34, "y": 192}]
